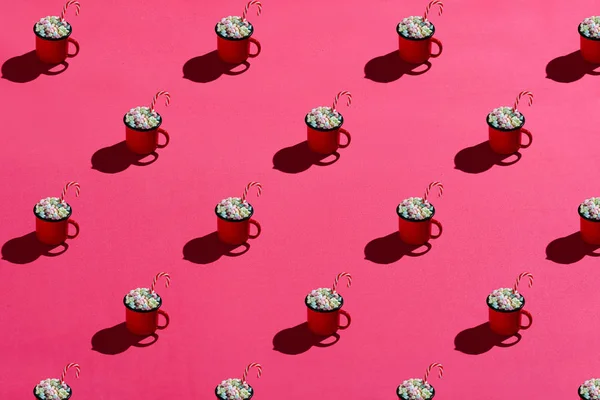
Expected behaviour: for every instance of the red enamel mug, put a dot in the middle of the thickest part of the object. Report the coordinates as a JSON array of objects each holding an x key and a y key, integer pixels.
[
  {"x": 236, "y": 51},
  {"x": 54, "y": 232},
  {"x": 507, "y": 323},
  {"x": 144, "y": 322},
  {"x": 589, "y": 229},
  {"x": 249, "y": 397},
  {"x": 589, "y": 48},
  {"x": 144, "y": 141},
  {"x": 326, "y": 141},
  {"x": 417, "y": 51},
  {"x": 54, "y": 51},
  {"x": 66, "y": 398},
  {"x": 402, "y": 398},
  {"x": 236, "y": 232},
  {"x": 508, "y": 141},
  {"x": 417, "y": 232},
  {"x": 326, "y": 322}
]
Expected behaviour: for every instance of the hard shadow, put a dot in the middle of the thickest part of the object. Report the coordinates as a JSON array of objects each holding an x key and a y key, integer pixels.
[
  {"x": 27, "y": 67},
  {"x": 117, "y": 158},
  {"x": 480, "y": 158},
  {"x": 209, "y": 67},
  {"x": 298, "y": 158},
  {"x": 481, "y": 339},
  {"x": 389, "y": 249},
  {"x": 27, "y": 249},
  {"x": 570, "y": 249},
  {"x": 390, "y": 68},
  {"x": 299, "y": 339},
  {"x": 117, "y": 339},
  {"x": 208, "y": 249},
  {"x": 570, "y": 68}
]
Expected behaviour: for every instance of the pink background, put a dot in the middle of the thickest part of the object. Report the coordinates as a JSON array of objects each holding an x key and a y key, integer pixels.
[{"x": 226, "y": 312}]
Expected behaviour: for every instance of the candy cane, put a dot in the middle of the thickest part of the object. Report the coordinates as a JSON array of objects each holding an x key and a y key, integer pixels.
[
  {"x": 67, "y": 4},
  {"x": 258, "y": 371},
  {"x": 523, "y": 275},
  {"x": 157, "y": 95},
  {"x": 340, "y": 276},
  {"x": 258, "y": 5},
  {"x": 340, "y": 94},
  {"x": 67, "y": 186},
  {"x": 523, "y": 94},
  {"x": 68, "y": 367},
  {"x": 431, "y": 186},
  {"x": 258, "y": 187},
  {"x": 160, "y": 275},
  {"x": 430, "y": 5},
  {"x": 432, "y": 366}
]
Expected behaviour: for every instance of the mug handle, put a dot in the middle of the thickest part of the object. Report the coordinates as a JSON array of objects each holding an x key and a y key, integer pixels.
[
  {"x": 347, "y": 134},
  {"x": 167, "y": 138},
  {"x": 528, "y": 134},
  {"x": 76, "y": 44},
  {"x": 345, "y": 314},
  {"x": 258, "y": 47},
  {"x": 439, "y": 44},
  {"x": 76, "y": 225},
  {"x": 164, "y": 314},
  {"x": 528, "y": 315},
  {"x": 439, "y": 225},
  {"x": 258, "y": 228}
]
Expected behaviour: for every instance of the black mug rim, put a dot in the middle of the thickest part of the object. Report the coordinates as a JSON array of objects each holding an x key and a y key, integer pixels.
[
  {"x": 585, "y": 37},
  {"x": 324, "y": 129},
  {"x": 416, "y": 39},
  {"x": 432, "y": 392},
  {"x": 160, "y": 121},
  {"x": 249, "y": 397},
  {"x": 324, "y": 311},
  {"x": 505, "y": 311},
  {"x": 234, "y": 39},
  {"x": 68, "y": 397},
  {"x": 416, "y": 220},
  {"x": 143, "y": 311},
  {"x": 584, "y": 217},
  {"x": 503, "y": 129},
  {"x": 53, "y": 220},
  {"x": 235, "y": 220},
  {"x": 53, "y": 39}
]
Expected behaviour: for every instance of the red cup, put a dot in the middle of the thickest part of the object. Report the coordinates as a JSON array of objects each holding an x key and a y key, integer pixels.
[
  {"x": 54, "y": 232},
  {"x": 144, "y": 141},
  {"x": 249, "y": 397},
  {"x": 507, "y": 323},
  {"x": 236, "y": 231},
  {"x": 417, "y": 51},
  {"x": 508, "y": 141},
  {"x": 589, "y": 229},
  {"x": 417, "y": 232},
  {"x": 326, "y": 141},
  {"x": 589, "y": 48},
  {"x": 66, "y": 398},
  {"x": 236, "y": 51},
  {"x": 326, "y": 322},
  {"x": 402, "y": 398},
  {"x": 54, "y": 51},
  {"x": 144, "y": 322}
]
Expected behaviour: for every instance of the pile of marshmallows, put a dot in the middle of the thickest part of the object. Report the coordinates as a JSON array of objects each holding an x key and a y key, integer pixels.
[
  {"x": 234, "y": 389},
  {"x": 505, "y": 299},
  {"x": 52, "y": 208},
  {"x": 52, "y": 28},
  {"x": 324, "y": 118},
  {"x": 415, "y": 389},
  {"x": 142, "y": 118},
  {"x": 234, "y": 208},
  {"x": 505, "y": 118},
  {"x": 323, "y": 299},
  {"x": 590, "y": 27},
  {"x": 142, "y": 299},
  {"x": 415, "y": 208},
  {"x": 590, "y": 389},
  {"x": 415, "y": 28},
  {"x": 52, "y": 389},
  {"x": 590, "y": 208},
  {"x": 234, "y": 28}
]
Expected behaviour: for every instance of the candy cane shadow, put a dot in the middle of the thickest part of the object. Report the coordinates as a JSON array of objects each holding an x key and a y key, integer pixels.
[
  {"x": 570, "y": 249},
  {"x": 299, "y": 158},
  {"x": 390, "y": 67},
  {"x": 299, "y": 339},
  {"x": 27, "y": 67},
  {"x": 389, "y": 249},
  {"x": 208, "y": 249},
  {"x": 480, "y": 339},
  {"x": 117, "y": 339},
  {"x": 570, "y": 68},
  {"x": 117, "y": 158},
  {"x": 26, "y": 249},
  {"x": 481, "y": 158},
  {"x": 209, "y": 67}
]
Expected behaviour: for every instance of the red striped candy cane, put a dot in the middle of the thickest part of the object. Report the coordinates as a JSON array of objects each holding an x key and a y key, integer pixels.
[
  {"x": 68, "y": 367},
  {"x": 340, "y": 94},
  {"x": 258, "y": 5},
  {"x": 521, "y": 276},
  {"x": 432, "y": 366},
  {"x": 66, "y": 188},
  {"x": 431, "y": 186},
  {"x": 340, "y": 276},
  {"x": 430, "y": 6},
  {"x": 67, "y": 4},
  {"x": 250, "y": 366},
  {"x": 157, "y": 95},
  {"x": 157, "y": 277},
  {"x": 258, "y": 187},
  {"x": 523, "y": 94}
]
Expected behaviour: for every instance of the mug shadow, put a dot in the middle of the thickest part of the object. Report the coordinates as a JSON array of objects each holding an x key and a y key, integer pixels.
[
  {"x": 570, "y": 68},
  {"x": 390, "y": 67},
  {"x": 208, "y": 249},
  {"x": 481, "y": 158},
  {"x": 27, "y": 67},
  {"x": 389, "y": 249},
  {"x": 117, "y": 339},
  {"x": 299, "y": 158},
  {"x": 209, "y": 67},
  {"x": 26, "y": 249},
  {"x": 480, "y": 339},
  {"x": 299, "y": 339},
  {"x": 117, "y": 158},
  {"x": 570, "y": 249}
]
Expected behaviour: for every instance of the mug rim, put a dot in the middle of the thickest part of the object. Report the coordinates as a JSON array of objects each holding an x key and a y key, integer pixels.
[
  {"x": 432, "y": 392},
  {"x": 325, "y": 311},
  {"x": 53, "y": 39},
  {"x": 142, "y": 129},
  {"x": 234, "y": 39},
  {"x": 416, "y": 220},
  {"x": 506, "y": 311},
  {"x": 324, "y": 129},
  {"x": 68, "y": 397},
  {"x": 249, "y": 397},
  {"x": 584, "y": 217},
  {"x": 142, "y": 311},
  {"x": 235, "y": 220},
  {"x": 416, "y": 39},
  {"x": 504, "y": 129},
  {"x": 54, "y": 220},
  {"x": 585, "y": 37}
]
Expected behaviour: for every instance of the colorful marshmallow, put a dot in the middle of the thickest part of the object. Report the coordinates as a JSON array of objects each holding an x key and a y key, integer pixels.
[
  {"x": 142, "y": 299},
  {"x": 505, "y": 118},
  {"x": 415, "y": 208},
  {"x": 415, "y": 28},
  {"x": 52, "y": 389},
  {"x": 52, "y": 28},
  {"x": 590, "y": 27},
  {"x": 234, "y": 208},
  {"x": 142, "y": 118},
  {"x": 52, "y": 208},
  {"x": 234, "y": 28},
  {"x": 324, "y": 299},
  {"x": 415, "y": 389},
  {"x": 590, "y": 208},
  {"x": 234, "y": 389},
  {"x": 505, "y": 299},
  {"x": 590, "y": 390},
  {"x": 324, "y": 118}
]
